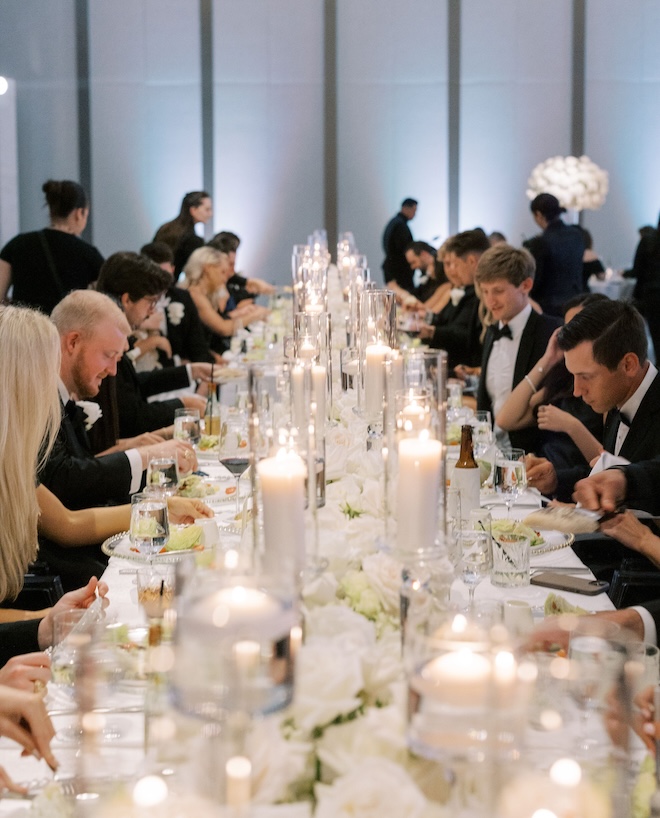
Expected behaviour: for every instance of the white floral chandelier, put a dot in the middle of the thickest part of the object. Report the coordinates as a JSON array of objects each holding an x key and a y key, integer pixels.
[{"x": 577, "y": 182}]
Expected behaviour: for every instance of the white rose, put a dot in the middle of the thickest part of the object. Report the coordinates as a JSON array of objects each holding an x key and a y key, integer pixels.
[
  {"x": 384, "y": 575},
  {"x": 321, "y": 590},
  {"x": 376, "y": 788},
  {"x": 340, "y": 624},
  {"x": 379, "y": 733},
  {"x": 382, "y": 668},
  {"x": 328, "y": 682},
  {"x": 372, "y": 497},
  {"x": 277, "y": 763},
  {"x": 175, "y": 312},
  {"x": 92, "y": 412}
]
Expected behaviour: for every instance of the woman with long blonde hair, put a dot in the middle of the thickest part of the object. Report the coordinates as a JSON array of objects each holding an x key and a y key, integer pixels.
[{"x": 29, "y": 419}]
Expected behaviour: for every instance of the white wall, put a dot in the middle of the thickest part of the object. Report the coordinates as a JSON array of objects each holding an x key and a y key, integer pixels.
[{"x": 392, "y": 114}]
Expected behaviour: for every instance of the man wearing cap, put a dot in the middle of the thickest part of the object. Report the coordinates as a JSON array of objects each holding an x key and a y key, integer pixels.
[{"x": 558, "y": 252}]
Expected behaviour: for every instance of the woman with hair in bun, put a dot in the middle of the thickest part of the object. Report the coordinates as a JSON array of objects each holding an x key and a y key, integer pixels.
[
  {"x": 179, "y": 234},
  {"x": 45, "y": 265}
]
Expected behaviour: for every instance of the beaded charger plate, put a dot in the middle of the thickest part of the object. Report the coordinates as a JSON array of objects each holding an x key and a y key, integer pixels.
[{"x": 119, "y": 545}]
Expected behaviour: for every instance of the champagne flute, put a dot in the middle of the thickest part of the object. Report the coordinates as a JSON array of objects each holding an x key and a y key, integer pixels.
[
  {"x": 475, "y": 558},
  {"x": 234, "y": 452},
  {"x": 510, "y": 476}
]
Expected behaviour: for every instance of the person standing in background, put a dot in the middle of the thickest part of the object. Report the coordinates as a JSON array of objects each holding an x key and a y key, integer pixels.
[
  {"x": 196, "y": 208},
  {"x": 45, "y": 265},
  {"x": 558, "y": 253},
  {"x": 397, "y": 237}
]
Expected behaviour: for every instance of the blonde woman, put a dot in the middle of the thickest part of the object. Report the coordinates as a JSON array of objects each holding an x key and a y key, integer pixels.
[
  {"x": 207, "y": 273},
  {"x": 29, "y": 419}
]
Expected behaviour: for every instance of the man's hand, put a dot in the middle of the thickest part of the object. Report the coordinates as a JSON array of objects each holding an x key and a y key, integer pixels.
[
  {"x": 201, "y": 371},
  {"x": 184, "y": 453},
  {"x": 82, "y": 598},
  {"x": 604, "y": 491},
  {"x": 28, "y": 671},
  {"x": 541, "y": 474},
  {"x": 192, "y": 402}
]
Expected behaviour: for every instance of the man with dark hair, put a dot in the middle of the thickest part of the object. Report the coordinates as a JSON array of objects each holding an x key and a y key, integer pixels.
[
  {"x": 396, "y": 239},
  {"x": 605, "y": 350},
  {"x": 137, "y": 284},
  {"x": 182, "y": 326},
  {"x": 422, "y": 256},
  {"x": 558, "y": 253},
  {"x": 457, "y": 328},
  {"x": 240, "y": 288},
  {"x": 516, "y": 339}
]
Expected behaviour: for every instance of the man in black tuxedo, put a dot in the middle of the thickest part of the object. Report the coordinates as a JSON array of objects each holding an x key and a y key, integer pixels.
[
  {"x": 457, "y": 328},
  {"x": 183, "y": 328},
  {"x": 516, "y": 339},
  {"x": 605, "y": 350},
  {"x": 137, "y": 284},
  {"x": 93, "y": 332},
  {"x": 396, "y": 240}
]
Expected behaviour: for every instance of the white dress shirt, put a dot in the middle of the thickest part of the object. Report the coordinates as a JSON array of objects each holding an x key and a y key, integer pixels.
[
  {"x": 630, "y": 407},
  {"x": 501, "y": 363}
]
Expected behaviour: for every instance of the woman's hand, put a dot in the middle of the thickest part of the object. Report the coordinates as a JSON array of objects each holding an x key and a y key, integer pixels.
[
  {"x": 82, "y": 598},
  {"x": 552, "y": 354},
  {"x": 184, "y": 510},
  {"x": 553, "y": 419},
  {"x": 29, "y": 671},
  {"x": 23, "y": 718}
]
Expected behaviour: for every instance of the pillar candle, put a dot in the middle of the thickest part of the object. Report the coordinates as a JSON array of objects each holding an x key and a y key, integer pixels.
[
  {"x": 282, "y": 480},
  {"x": 374, "y": 379},
  {"x": 319, "y": 376},
  {"x": 418, "y": 492},
  {"x": 298, "y": 405}
]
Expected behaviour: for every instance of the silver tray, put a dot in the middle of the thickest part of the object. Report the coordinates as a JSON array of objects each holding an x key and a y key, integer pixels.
[
  {"x": 553, "y": 541},
  {"x": 119, "y": 545}
]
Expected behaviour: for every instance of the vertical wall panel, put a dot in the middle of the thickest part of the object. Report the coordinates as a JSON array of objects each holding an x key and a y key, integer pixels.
[
  {"x": 623, "y": 120},
  {"x": 146, "y": 124},
  {"x": 392, "y": 118},
  {"x": 37, "y": 49},
  {"x": 268, "y": 64},
  {"x": 515, "y": 106}
]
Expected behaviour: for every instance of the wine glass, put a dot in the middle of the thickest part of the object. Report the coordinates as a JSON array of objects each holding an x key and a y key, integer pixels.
[
  {"x": 162, "y": 476},
  {"x": 150, "y": 528},
  {"x": 475, "y": 558},
  {"x": 234, "y": 451},
  {"x": 510, "y": 476}
]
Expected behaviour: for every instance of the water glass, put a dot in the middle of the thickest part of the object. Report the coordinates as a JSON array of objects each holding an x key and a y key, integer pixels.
[
  {"x": 510, "y": 476},
  {"x": 187, "y": 426},
  {"x": 510, "y": 561},
  {"x": 150, "y": 529},
  {"x": 475, "y": 558},
  {"x": 162, "y": 476}
]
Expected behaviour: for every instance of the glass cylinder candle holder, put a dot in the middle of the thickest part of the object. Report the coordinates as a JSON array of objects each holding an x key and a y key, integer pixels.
[{"x": 233, "y": 648}]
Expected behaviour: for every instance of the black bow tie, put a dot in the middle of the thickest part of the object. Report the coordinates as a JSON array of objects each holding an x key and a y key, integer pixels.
[
  {"x": 618, "y": 417},
  {"x": 504, "y": 332},
  {"x": 71, "y": 408}
]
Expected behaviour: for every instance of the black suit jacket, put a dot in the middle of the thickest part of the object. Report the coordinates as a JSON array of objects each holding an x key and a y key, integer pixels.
[
  {"x": 135, "y": 414},
  {"x": 187, "y": 337},
  {"x": 533, "y": 342},
  {"x": 79, "y": 479},
  {"x": 458, "y": 329},
  {"x": 18, "y": 637},
  {"x": 641, "y": 444}
]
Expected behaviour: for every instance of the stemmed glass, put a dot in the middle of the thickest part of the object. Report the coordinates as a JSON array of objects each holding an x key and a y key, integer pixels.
[
  {"x": 234, "y": 451},
  {"x": 155, "y": 586},
  {"x": 510, "y": 476},
  {"x": 475, "y": 558}
]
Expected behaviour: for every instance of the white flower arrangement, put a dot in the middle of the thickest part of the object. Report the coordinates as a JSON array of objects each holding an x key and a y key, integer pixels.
[
  {"x": 92, "y": 412},
  {"x": 175, "y": 312},
  {"x": 577, "y": 182}
]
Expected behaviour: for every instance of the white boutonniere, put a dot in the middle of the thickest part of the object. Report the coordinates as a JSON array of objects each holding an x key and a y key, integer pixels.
[
  {"x": 456, "y": 294},
  {"x": 175, "y": 311},
  {"x": 92, "y": 412}
]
